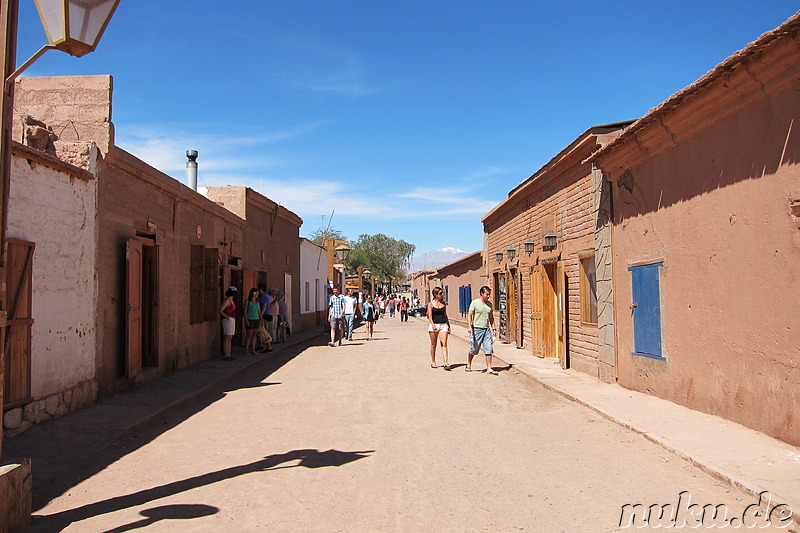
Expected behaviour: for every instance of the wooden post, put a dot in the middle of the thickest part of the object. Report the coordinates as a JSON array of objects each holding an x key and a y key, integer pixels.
[{"x": 9, "y": 14}]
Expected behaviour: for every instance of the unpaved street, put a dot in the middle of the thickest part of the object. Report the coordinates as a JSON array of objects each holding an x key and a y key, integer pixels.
[{"x": 367, "y": 437}]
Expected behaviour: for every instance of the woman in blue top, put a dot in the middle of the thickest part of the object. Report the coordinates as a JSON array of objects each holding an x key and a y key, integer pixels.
[{"x": 370, "y": 312}]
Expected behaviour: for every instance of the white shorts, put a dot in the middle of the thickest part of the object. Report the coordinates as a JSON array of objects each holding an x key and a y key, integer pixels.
[
  {"x": 228, "y": 327},
  {"x": 438, "y": 328}
]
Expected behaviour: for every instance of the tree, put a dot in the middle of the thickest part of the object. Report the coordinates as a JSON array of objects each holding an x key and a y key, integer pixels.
[
  {"x": 384, "y": 256},
  {"x": 319, "y": 235}
]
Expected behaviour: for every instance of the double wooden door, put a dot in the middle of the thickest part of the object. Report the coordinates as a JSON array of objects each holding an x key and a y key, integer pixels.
[{"x": 548, "y": 312}]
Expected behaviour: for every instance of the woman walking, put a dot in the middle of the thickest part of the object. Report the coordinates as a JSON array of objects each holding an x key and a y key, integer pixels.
[
  {"x": 370, "y": 316},
  {"x": 252, "y": 315},
  {"x": 228, "y": 312},
  {"x": 438, "y": 326}
]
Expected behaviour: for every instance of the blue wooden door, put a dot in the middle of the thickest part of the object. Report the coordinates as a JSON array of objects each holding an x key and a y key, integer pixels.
[{"x": 646, "y": 309}]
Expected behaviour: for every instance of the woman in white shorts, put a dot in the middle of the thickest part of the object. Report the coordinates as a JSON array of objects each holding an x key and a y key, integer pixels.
[
  {"x": 228, "y": 313},
  {"x": 438, "y": 326}
]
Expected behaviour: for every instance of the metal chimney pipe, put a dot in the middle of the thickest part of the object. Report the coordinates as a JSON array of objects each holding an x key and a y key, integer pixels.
[{"x": 191, "y": 169}]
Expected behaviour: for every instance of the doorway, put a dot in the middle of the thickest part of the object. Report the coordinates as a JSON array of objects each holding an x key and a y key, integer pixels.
[
  {"x": 141, "y": 298},
  {"x": 548, "y": 312}
]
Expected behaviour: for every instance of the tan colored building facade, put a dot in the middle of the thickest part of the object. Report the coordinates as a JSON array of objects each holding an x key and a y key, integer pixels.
[
  {"x": 545, "y": 299},
  {"x": 272, "y": 253},
  {"x": 706, "y": 241}
]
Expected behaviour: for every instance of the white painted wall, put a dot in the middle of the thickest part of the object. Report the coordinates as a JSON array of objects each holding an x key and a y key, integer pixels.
[
  {"x": 313, "y": 267},
  {"x": 59, "y": 214}
]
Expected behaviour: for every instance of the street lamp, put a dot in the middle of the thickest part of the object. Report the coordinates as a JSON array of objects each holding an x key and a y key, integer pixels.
[
  {"x": 342, "y": 251},
  {"x": 72, "y": 26}
]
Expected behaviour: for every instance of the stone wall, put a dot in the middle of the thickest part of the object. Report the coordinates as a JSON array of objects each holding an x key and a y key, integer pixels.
[{"x": 19, "y": 419}]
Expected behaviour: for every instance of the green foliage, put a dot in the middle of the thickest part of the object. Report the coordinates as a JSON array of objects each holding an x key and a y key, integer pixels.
[
  {"x": 319, "y": 235},
  {"x": 384, "y": 256}
]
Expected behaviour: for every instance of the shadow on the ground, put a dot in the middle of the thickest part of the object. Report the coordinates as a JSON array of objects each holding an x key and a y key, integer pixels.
[
  {"x": 254, "y": 386},
  {"x": 58, "y": 470},
  {"x": 306, "y": 458},
  {"x": 167, "y": 512}
]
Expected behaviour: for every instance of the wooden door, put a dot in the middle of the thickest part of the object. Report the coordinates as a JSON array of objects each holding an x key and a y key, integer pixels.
[
  {"x": 17, "y": 334},
  {"x": 561, "y": 315},
  {"x": 133, "y": 309},
  {"x": 512, "y": 306},
  {"x": 537, "y": 304},
  {"x": 549, "y": 312}
]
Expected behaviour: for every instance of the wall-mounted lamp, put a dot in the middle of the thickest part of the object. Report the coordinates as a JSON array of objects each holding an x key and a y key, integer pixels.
[
  {"x": 498, "y": 255},
  {"x": 550, "y": 239},
  {"x": 367, "y": 273},
  {"x": 342, "y": 251},
  {"x": 529, "y": 246},
  {"x": 511, "y": 252}
]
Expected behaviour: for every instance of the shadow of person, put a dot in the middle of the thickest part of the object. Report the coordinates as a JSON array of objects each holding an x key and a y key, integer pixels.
[
  {"x": 307, "y": 458},
  {"x": 167, "y": 512}
]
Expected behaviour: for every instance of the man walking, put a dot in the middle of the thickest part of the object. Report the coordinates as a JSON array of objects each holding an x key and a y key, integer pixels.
[
  {"x": 336, "y": 316},
  {"x": 480, "y": 325},
  {"x": 403, "y": 310},
  {"x": 350, "y": 305}
]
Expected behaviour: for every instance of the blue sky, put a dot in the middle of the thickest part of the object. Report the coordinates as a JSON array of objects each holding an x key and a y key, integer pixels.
[{"x": 411, "y": 118}]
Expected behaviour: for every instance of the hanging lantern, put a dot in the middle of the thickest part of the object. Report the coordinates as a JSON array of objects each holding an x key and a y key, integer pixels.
[
  {"x": 529, "y": 246},
  {"x": 75, "y": 26}
]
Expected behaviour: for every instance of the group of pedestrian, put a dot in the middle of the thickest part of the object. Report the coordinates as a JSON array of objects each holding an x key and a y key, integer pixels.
[
  {"x": 393, "y": 305},
  {"x": 480, "y": 326},
  {"x": 266, "y": 319},
  {"x": 342, "y": 310}
]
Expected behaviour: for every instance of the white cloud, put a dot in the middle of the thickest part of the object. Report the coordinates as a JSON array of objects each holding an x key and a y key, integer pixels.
[{"x": 165, "y": 149}]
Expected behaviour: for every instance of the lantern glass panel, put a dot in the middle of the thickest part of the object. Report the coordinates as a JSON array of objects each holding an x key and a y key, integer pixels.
[
  {"x": 87, "y": 18},
  {"x": 511, "y": 252},
  {"x": 52, "y": 14}
]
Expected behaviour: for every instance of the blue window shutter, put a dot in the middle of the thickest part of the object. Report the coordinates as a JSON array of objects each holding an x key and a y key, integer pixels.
[{"x": 646, "y": 310}]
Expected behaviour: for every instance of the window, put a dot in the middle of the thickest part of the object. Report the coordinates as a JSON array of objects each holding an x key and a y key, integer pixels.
[
  {"x": 203, "y": 284},
  {"x": 646, "y": 308},
  {"x": 464, "y": 298},
  {"x": 588, "y": 290},
  {"x": 308, "y": 297}
]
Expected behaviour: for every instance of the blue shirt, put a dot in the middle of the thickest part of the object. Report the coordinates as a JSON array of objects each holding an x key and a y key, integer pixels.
[
  {"x": 336, "y": 305},
  {"x": 264, "y": 301}
]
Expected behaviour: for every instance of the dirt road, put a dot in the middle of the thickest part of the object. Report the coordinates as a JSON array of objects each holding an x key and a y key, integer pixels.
[{"x": 367, "y": 437}]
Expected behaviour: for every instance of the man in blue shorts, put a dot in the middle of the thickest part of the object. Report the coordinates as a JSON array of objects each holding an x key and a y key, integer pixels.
[{"x": 480, "y": 325}]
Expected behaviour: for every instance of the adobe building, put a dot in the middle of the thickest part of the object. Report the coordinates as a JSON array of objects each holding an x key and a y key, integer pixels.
[
  {"x": 461, "y": 281},
  {"x": 422, "y": 282},
  {"x": 706, "y": 240},
  {"x": 543, "y": 243},
  {"x": 164, "y": 252},
  {"x": 50, "y": 274},
  {"x": 272, "y": 254},
  {"x": 313, "y": 285}
]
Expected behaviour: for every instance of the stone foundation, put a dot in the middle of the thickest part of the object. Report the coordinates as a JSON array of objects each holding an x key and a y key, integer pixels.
[
  {"x": 19, "y": 419},
  {"x": 15, "y": 496}
]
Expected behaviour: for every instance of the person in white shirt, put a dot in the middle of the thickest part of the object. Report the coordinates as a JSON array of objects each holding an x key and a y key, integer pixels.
[{"x": 350, "y": 305}]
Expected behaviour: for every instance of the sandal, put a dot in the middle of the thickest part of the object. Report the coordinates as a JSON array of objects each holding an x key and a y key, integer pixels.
[
  {"x": 433, "y": 365},
  {"x": 467, "y": 369},
  {"x": 493, "y": 372}
]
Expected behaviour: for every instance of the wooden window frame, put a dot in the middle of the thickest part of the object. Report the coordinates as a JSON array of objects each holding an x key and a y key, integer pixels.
[{"x": 585, "y": 288}]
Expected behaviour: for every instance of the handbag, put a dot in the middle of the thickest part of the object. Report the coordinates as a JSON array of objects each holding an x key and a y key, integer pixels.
[{"x": 268, "y": 318}]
